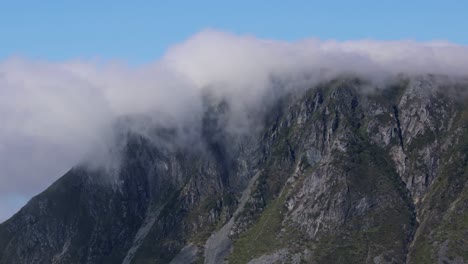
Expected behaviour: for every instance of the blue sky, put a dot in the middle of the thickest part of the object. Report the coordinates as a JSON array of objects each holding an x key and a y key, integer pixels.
[{"x": 141, "y": 31}]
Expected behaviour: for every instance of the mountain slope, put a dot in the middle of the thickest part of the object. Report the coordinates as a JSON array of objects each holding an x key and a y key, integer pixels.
[{"x": 336, "y": 174}]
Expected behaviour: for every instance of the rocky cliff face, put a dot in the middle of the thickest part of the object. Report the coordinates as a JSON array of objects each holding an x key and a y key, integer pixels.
[{"x": 336, "y": 174}]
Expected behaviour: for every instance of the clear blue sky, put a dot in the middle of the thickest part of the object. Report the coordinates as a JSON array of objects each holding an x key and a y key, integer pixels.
[{"x": 140, "y": 31}]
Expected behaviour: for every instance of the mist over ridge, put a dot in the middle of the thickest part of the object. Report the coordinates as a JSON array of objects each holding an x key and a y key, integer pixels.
[{"x": 55, "y": 113}]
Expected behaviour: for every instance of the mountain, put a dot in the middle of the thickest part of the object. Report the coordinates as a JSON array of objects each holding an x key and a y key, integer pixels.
[{"x": 341, "y": 172}]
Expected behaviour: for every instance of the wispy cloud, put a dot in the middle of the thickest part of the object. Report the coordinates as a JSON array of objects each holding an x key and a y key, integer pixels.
[{"x": 53, "y": 114}]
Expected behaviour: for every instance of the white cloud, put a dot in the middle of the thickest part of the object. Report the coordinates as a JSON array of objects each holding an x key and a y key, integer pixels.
[{"x": 52, "y": 114}]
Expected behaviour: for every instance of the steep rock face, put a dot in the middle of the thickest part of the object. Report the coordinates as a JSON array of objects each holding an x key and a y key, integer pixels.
[
  {"x": 335, "y": 175},
  {"x": 422, "y": 118},
  {"x": 338, "y": 190}
]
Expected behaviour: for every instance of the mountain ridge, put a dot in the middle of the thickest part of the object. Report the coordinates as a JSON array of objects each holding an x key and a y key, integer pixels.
[{"x": 336, "y": 173}]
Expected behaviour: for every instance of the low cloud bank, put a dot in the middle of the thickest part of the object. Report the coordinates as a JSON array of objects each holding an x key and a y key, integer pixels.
[{"x": 54, "y": 114}]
